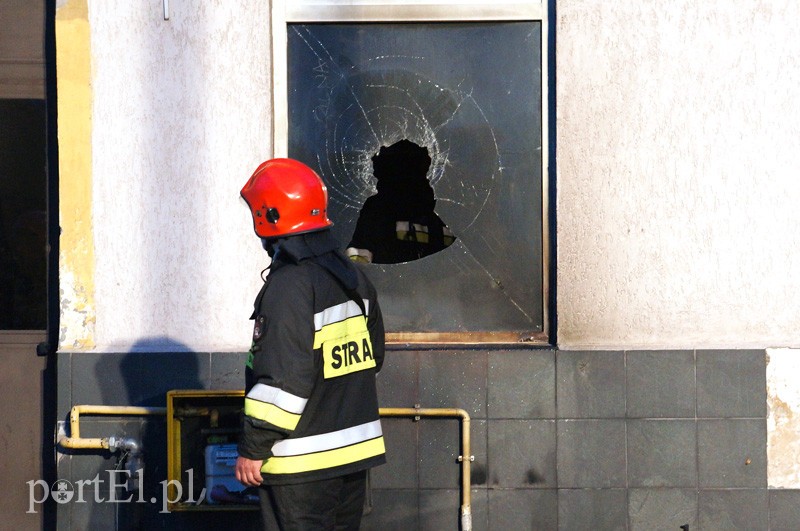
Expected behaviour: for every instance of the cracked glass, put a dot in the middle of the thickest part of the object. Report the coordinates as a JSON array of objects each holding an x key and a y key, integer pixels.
[{"x": 468, "y": 93}]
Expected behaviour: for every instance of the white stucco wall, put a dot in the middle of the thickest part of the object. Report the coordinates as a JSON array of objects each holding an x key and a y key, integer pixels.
[
  {"x": 181, "y": 118},
  {"x": 678, "y": 159},
  {"x": 783, "y": 420}
]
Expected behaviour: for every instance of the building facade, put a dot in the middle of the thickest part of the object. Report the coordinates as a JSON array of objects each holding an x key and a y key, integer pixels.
[{"x": 657, "y": 387}]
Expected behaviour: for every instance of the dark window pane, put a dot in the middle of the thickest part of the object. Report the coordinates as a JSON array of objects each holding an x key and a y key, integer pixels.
[{"x": 469, "y": 93}]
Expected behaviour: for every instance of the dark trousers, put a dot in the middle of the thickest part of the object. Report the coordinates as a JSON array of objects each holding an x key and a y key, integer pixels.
[{"x": 328, "y": 505}]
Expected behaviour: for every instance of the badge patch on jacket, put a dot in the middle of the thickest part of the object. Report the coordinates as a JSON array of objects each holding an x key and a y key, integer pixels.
[
  {"x": 345, "y": 355},
  {"x": 258, "y": 328}
]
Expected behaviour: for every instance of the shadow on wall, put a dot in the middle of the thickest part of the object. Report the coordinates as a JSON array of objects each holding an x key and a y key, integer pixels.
[{"x": 142, "y": 377}]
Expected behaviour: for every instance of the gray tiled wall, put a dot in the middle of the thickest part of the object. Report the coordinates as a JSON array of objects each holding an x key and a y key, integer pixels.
[{"x": 561, "y": 439}]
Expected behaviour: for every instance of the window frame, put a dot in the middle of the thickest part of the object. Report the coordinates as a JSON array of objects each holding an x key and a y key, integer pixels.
[{"x": 285, "y": 12}]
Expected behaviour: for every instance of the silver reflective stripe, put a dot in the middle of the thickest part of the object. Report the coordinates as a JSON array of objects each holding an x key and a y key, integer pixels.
[
  {"x": 327, "y": 441},
  {"x": 282, "y": 399},
  {"x": 338, "y": 313}
]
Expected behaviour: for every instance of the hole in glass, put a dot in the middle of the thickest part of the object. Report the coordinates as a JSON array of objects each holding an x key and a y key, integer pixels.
[{"x": 399, "y": 224}]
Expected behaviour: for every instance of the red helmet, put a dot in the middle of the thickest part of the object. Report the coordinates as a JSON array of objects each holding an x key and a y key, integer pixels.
[{"x": 286, "y": 197}]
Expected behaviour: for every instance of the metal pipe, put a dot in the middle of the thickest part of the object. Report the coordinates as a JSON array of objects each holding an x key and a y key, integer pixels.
[
  {"x": 75, "y": 441},
  {"x": 465, "y": 458}
]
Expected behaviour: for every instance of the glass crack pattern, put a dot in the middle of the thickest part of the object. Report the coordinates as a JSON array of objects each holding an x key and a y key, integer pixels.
[{"x": 471, "y": 94}]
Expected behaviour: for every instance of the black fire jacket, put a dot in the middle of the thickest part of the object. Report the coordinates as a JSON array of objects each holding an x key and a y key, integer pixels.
[{"x": 311, "y": 408}]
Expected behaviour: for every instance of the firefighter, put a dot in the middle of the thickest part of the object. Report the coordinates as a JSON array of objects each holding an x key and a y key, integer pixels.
[{"x": 311, "y": 427}]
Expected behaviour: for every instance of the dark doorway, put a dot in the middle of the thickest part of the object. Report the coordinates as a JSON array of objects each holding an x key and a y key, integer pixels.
[{"x": 23, "y": 220}]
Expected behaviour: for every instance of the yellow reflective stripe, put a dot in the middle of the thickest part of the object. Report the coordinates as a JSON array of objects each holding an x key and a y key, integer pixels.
[
  {"x": 328, "y": 441},
  {"x": 338, "y": 312},
  {"x": 327, "y": 459},
  {"x": 359, "y": 255},
  {"x": 405, "y": 226},
  {"x": 448, "y": 236},
  {"x": 273, "y": 405},
  {"x": 343, "y": 330},
  {"x": 419, "y": 237},
  {"x": 270, "y": 413}
]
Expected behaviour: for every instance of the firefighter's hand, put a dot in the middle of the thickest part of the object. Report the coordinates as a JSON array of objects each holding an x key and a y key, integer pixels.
[{"x": 248, "y": 471}]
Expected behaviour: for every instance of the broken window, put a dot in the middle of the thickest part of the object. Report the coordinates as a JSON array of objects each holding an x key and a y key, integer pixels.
[{"x": 465, "y": 101}]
